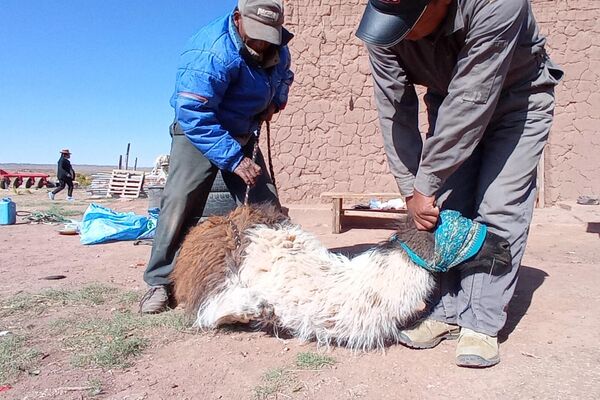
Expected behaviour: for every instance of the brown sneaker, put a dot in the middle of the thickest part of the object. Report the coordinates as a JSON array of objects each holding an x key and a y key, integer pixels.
[
  {"x": 155, "y": 300},
  {"x": 428, "y": 333},
  {"x": 476, "y": 350}
]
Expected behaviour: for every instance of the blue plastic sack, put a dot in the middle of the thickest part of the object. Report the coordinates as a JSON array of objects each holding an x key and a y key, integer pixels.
[
  {"x": 152, "y": 221},
  {"x": 101, "y": 224}
]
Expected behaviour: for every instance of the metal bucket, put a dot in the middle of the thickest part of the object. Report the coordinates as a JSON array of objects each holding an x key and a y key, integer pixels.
[{"x": 154, "y": 195}]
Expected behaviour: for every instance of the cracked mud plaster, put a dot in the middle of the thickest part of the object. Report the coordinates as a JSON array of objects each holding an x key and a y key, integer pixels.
[{"x": 327, "y": 139}]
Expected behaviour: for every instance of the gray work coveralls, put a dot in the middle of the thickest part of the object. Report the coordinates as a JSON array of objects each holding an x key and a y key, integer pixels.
[{"x": 490, "y": 102}]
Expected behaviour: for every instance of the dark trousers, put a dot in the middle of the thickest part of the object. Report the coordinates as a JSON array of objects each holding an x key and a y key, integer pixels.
[
  {"x": 191, "y": 176},
  {"x": 62, "y": 183}
]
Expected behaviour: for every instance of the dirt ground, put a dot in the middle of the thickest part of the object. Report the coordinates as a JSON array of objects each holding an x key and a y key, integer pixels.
[{"x": 548, "y": 348}]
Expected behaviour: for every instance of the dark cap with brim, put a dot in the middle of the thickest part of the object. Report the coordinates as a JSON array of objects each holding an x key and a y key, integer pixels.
[
  {"x": 263, "y": 19},
  {"x": 387, "y": 22},
  {"x": 258, "y": 30}
]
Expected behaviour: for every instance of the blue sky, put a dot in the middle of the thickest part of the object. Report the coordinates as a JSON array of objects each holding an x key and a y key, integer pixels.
[{"x": 92, "y": 76}]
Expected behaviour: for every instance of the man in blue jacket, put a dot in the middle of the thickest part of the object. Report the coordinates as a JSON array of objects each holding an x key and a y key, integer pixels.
[{"x": 233, "y": 74}]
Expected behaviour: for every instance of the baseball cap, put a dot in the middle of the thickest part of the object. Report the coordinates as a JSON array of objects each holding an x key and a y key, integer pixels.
[
  {"x": 387, "y": 22},
  {"x": 263, "y": 19}
]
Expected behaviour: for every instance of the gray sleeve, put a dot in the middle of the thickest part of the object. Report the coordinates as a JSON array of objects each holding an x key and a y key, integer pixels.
[
  {"x": 492, "y": 33},
  {"x": 398, "y": 108}
]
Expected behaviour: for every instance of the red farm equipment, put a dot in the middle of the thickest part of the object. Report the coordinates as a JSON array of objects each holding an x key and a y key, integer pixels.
[{"x": 26, "y": 179}]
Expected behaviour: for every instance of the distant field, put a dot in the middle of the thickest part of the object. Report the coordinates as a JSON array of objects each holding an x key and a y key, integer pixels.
[{"x": 51, "y": 168}]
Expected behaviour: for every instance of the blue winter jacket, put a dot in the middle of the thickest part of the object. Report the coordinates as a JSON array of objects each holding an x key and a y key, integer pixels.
[{"x": 218, "y": 95}]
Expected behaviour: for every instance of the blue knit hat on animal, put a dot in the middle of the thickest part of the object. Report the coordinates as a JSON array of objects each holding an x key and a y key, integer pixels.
[{"x": 456, "y": 240}]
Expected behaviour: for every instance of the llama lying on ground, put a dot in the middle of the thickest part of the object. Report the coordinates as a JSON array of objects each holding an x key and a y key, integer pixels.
[{"x": 255, "y": 266}]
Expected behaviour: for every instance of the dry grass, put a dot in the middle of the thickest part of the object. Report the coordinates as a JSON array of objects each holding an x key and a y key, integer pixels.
[
  {"x": 84, "y": 180},
  {"x": 90, "y": 335},
  {"x": 275, "y": 382},
  {"x": 112, "y": 342},
  {"x": 15, "y": 357},
  {"x": 95, "y": 386},
  {"x": 283, "y": 382},
  {"x": 310, "y": 360},
  {"x": 94, "y": 294}
]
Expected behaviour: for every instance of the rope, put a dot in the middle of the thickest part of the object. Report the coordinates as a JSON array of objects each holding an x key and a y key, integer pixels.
[
  {"x": 45, "y": 217},
  {"x": 271, "y": 172},
  {"x": 269, "y": 156},
  {"x": 254, "y": 153},
  {"x": 237, "y": 237}
]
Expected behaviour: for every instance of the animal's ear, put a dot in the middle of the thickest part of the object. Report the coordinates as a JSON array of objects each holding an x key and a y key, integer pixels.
[{"x": 420, "y": 242}]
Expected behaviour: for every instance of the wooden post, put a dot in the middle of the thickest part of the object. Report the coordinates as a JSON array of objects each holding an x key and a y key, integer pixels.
[
  {"x": 120, "y": 161},
  {"x": 135, "y": 165},
  {"x": 336, "y": 223},
  {"x": 127, "y": 157},
  {"x": 541, "y": 178}
]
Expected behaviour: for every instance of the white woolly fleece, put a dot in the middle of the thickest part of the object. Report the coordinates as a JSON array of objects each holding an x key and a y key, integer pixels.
[{"x": 289, "y": 279}]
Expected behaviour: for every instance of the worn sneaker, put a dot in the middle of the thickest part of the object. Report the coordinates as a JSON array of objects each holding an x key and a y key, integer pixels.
[
  {"x": 427, "y": 333},
  {"x": 155, "y": 300},
  {"x": 51, "y": 195},
  {"x": 476, "y": 350},
  {"x": 70, "y": 199}
]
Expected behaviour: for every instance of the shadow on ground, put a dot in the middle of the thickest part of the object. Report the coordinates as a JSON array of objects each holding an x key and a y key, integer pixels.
[
  {"x": 530, "y": 279},
  {"x": 593, "y": 227}
]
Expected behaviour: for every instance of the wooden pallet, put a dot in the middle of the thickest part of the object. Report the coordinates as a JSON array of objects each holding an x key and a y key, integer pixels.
[
  {"x": 124, "y": 183},
  {"x": 99, "y": 184},
  {"x": 338, "y": 210}
]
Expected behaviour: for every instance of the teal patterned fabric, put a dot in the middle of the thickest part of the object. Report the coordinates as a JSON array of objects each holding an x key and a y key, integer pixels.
[{"x": 456, "y": 240}]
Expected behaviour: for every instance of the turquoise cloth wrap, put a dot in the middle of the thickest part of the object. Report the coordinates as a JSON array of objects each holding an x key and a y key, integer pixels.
[{"x": 456, "y": 240}]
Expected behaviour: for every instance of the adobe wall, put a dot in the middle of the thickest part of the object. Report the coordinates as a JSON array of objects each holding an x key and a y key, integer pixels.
[{"x": 328, "y": 139}]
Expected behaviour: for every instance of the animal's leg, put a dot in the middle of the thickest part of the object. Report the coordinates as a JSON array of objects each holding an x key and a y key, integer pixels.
[
  {"x": 237, "y": 305},
  {"x": 261, "y": 311}
]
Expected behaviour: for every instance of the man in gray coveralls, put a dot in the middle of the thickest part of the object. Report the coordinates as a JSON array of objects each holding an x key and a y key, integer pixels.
[{"x": 490, "y": 101}]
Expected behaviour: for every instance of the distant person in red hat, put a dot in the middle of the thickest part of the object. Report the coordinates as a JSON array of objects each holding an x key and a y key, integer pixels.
[{"x": 65, "y": 174}]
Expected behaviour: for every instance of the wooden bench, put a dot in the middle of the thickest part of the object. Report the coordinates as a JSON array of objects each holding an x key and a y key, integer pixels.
[{"x": 338, "y": 210}]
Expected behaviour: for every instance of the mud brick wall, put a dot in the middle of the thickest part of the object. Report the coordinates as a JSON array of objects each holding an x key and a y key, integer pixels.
[
  {"x": 327, "y": 139},
  {"x": 572, "y": 159}
]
